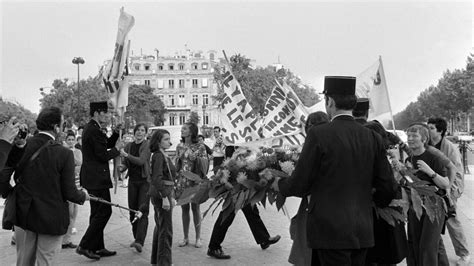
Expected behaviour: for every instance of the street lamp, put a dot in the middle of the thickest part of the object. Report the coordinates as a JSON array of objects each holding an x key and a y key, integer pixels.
[
  {"x": 77, "y": 61},
  {"x": 203, "y": 110}
]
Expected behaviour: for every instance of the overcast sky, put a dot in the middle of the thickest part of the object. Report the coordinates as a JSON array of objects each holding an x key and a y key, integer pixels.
[{"x": 418, "y": 41}]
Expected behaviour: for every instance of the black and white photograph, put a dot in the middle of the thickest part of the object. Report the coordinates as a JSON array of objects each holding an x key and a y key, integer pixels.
[{"x": 233, "y": 132}]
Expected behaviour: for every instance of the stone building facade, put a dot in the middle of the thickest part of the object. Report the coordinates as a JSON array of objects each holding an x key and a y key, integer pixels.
[{"x": 184, "y": 82}]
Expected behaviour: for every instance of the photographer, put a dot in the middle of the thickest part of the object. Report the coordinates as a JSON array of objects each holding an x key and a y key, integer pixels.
[
  {"x": 44, "y": 178},
  {"x": 8, "y": 131}
]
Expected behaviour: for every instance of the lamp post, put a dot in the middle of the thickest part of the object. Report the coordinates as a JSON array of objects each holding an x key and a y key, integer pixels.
[
  {"x": 77, "y": 61},
  {"x": 203, "y": 110}
]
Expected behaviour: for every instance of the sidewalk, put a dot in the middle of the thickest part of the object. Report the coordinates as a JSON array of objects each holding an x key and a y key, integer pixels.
[{"x": 239, "y": 242}]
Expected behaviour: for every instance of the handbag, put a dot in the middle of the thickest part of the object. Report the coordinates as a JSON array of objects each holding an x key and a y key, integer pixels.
[{"x": 9, "y": 212}]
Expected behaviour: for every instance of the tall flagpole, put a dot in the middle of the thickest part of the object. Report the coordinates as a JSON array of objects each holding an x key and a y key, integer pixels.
[{"x": 384, "y": 80}]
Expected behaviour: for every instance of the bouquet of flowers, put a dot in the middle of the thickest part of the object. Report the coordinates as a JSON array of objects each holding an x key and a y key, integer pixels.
[
  {"x": 246, "y": 178},
  {"x": 416, "y": 194}
]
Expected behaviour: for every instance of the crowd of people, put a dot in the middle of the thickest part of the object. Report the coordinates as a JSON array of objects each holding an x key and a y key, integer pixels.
[{"x": 344, "y": 172}]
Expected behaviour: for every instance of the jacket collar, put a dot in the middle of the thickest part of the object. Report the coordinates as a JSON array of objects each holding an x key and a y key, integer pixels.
[{"x": 343, "y": 117}]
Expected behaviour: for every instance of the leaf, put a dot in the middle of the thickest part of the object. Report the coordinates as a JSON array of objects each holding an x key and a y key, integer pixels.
[
  {"x": 416, "y": 203},
  {"x": 249, "y": 183},
  {"x": 404, "y": 204},
  {"x": 220, "y": 201},
  {"x": 191, "y": 176},
  {"x": 258, "y": 196},
  {"x": 187, "y": 195},
  {"x": 384, "y": 213},
  {"x": 264, "y": 200},
  {"x": 227, "y": 202},
  {"x": 280, "y": 201},
  {"x": 271, "y": 197},
  {"x": 202, "y": 195},
  {"x": 241, "y": 199},
  {"x": 216, "y": 191},
  {"x": 210, "y": 206},
  {"x": 430, "y": 208}
]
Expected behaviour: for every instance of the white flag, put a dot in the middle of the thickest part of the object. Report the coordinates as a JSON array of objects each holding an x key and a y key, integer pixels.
[
  {"x": 372, "y": 84},
  {"x": 113, "y": 74}
]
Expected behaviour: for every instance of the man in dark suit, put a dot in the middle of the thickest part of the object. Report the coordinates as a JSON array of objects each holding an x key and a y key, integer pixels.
[
  {"x": 340, "y": 165},
  {"x": 44, "y": 177},
  {"x": 95, "y": 177}
]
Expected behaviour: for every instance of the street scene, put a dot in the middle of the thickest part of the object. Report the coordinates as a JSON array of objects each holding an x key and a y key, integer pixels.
[{"x": 237, "y": 133}]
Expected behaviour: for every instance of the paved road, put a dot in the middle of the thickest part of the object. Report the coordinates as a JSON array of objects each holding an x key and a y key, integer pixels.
[{"x": 239, "y": 241}]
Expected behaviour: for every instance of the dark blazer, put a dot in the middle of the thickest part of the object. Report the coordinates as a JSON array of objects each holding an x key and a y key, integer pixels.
[
  {"x": 95, "y": 172},
  {"x": 5, "y": 148},
  {"x": 162, "y": 176},
  {"x": 45, "y": 186},
  {"x": 340, "y": 164}
]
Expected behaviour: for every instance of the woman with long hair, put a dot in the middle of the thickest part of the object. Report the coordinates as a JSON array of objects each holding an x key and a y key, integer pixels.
[
  {"x": 190, "y": 157},
  {"x": 162, "y": 197},
  {"x": 137, "y": 160}
]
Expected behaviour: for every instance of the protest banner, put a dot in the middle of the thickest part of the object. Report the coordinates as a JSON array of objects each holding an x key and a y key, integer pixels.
[
  {"x": 284, "y": 113},
  {"x": 239, "y": 120}
]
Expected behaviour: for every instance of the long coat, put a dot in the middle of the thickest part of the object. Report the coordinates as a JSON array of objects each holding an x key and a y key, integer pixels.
[
  {"x": 45, "y": 186},
  {"x": 340, "y": 164},
  {"x": 95, "y": 173}
]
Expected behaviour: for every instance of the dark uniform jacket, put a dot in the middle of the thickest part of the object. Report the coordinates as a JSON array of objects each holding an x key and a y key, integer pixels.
[
  {"x": 340, "y": 164},
  {"x": 45, "y": 186},
  {"x": 162, "y": 176},
  {"x": 95, "y": 173}
]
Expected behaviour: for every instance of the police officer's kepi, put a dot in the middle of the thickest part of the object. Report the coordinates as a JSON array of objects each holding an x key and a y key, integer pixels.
[
  {"x": 362, "y": 105},
  {"x": 98, "y": 106},
  {"x": 341, "y": 85}
]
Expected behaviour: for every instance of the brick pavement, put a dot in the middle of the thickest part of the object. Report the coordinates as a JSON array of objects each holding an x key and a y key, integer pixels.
[{"x": 239, "y": 242}]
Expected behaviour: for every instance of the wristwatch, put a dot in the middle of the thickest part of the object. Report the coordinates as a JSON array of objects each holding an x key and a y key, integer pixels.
[{"x": 434, "y": 175}]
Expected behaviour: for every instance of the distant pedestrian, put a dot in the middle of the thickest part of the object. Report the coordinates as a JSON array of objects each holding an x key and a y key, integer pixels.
[{"x": 73, "y": 207}]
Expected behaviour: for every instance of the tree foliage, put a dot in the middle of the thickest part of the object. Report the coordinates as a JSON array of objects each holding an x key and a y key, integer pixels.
[
  {"x": 64, "y": 94},
  {"x": 452, "y": 97},
  {"x": 194, "y": 118},
  {"x": 144, "y": 106},
  {"x": 257, "y": 84},
  {"x": 23, "y": 115}
]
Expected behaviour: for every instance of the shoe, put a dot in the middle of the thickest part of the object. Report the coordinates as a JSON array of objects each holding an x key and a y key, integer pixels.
[
  {"x": 218, "y": 254},
  {"x": 105, "y": 253},
  {"x": 137, "y": 246},
  {"x": 183, "y": 243},
  {"x": 74, "y": 231},
  {"x": 91, "y": 255},
  {"x": 464, "y": 260},
  {"x": 270, "y": 241},
  {"x": 198, "y": 243},
  {"x": 131, "y": 245},
  {"x": 69, "y": 245}
]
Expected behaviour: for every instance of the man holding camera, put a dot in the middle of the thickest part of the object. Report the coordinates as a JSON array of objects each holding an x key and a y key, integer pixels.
[
  {"x": 8, "y": 132},
  {"x": 95, "y": 177},
  {"x": 44, "y": 178}
]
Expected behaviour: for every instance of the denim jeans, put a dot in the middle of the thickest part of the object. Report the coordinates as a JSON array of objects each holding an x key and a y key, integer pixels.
[
  {"x": 162, "y": 235},
  {"x": 138, "y": 200}
]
